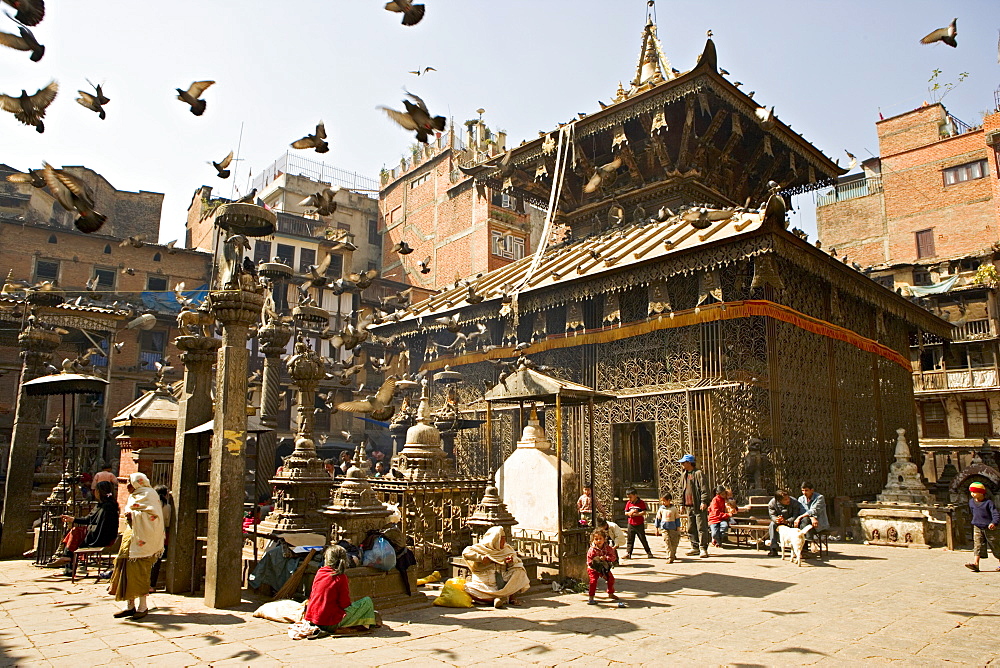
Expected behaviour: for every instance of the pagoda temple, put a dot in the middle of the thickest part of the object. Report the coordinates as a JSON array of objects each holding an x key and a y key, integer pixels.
[{"x": 667, "y": 277}]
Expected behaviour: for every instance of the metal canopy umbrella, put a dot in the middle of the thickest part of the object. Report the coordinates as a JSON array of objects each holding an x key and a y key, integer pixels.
[
  {"x": 528, "y": 385},
  {"x": 63, "y": 384}
]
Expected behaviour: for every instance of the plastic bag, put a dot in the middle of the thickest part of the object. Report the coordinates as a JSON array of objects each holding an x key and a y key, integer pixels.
[
  {"x": 433, "y": 577},
  {"x": 382, "y": 556},
  {"x": 453, "y": 595}
]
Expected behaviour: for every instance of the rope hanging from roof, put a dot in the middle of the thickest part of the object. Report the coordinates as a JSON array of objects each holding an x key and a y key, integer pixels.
[{"x": 565, "y": 152}]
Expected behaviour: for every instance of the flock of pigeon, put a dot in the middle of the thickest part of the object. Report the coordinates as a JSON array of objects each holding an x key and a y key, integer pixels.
[{"x": 75, "y": 196}]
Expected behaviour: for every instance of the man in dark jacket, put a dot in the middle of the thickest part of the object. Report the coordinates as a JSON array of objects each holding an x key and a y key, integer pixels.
[
  {"x": 694, "y": 499},
  {"x": 782, "y": 509}
]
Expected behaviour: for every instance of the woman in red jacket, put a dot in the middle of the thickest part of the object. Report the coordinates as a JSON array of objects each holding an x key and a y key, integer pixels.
[{"x": 330, "y": 606}]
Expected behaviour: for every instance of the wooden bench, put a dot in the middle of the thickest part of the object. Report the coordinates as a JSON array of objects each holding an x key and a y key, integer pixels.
[
  {"x": 747, "y": 534},
  {"x": 94, "y": 556}
]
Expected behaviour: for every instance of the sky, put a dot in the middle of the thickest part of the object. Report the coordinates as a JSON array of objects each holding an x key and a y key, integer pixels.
[{"x": 827, "y": 67}]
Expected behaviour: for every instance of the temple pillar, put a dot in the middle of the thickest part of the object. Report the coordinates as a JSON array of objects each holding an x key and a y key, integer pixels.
[
  {"x": 273, "y": 338},
  {"x": 194, "y": 408},
  {"x": 237, "y": 309},
  {"x": 37, "y": 345}
]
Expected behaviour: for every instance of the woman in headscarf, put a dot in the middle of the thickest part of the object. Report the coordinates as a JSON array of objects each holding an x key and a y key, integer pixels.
[
  {"x": 497, "y": 572},
  {"x": 98, "y": 529},
  {"x": 330, "y": 606},
  {"x": 142, "y": 544}
]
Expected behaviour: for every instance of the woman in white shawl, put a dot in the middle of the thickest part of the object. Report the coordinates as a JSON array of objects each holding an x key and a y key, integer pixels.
[
  {"x": 142, "y": 544},
  {"x": 497, "y": 572}
]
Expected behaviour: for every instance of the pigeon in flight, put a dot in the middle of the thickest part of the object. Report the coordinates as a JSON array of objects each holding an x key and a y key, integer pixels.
[
  {"x": 605, "y": 174},
  {"x": 191, "y": 95},
  {"x": 425, "y": 265},
  {"x": 948, "y": 35},
  {"x": 420, "y": 71},
  {"x": 94, "y": 102},
  {"x": 222, "y": 167},
  {"x": 30, "y": 109},
  {"x": 316, "y": 141},
  {"x": 322, "y": 202},
  {"x": 411, "y": 13},
  {"x": 25, "y": 42},
  {"x": 73, "y": 195},
  {"x": 402, "y": 248},
  {"x": 416, "y": 118},
  {"x": 29, "y": 12}
]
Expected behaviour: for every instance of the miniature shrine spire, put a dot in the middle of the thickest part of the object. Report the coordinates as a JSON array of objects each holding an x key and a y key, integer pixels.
[{"x": 653, "y": 66}]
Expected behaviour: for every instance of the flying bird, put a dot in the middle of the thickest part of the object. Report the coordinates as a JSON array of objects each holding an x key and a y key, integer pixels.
[
  {"x": 29, "y": 12},
  {"x": 33, "y": 177},
  {"x": 74, "y": 195},
  {"x": 364, "y": 279},
  {"x": 416, "y": 117},
  {"x": 322, "y": 202},
  {"x": 94, "y": 102},
  {"x": 947, "y": 35},
  {"x": 222, "y": 167},
  {"x": 30, "y": 109},
  {"x": 402, "y": 248},
  {"x": 853, "y": 158},
  {"x": 605, "y": 174},
  {"x": 25, "y": 42},
  {"x": 420, "y": 71},
  {"x": 316, "y": 141},
  {"x": 374, "y": 404},
  {"x": 133, "y": 241},
  {"x": 316, "y": 275},
  {"x": 425, "y": 265},
  {"x": 191, "y": 95},
  {"x": 765, "y": 117},
  {"x": 411, "y": 13},
  {"x": 450, "y": 323}
]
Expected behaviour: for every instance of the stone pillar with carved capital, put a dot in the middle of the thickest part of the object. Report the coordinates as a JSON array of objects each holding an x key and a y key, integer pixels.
[
  {"x": 198, "y": 353},
  {"x": 37, "y": 345},
  {"x": 303, "y": 486},
  {"x": 273, "y": 338},
  {"x": 237, "y": 310}
]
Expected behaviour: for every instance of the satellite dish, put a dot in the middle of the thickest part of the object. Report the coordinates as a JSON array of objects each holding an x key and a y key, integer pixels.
[{"x": 145, "y": 322}]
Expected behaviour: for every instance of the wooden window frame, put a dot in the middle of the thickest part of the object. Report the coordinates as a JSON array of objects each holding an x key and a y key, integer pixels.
[
  {"x": 978, "y": 429},
  {"x": 934, "y": 429}
]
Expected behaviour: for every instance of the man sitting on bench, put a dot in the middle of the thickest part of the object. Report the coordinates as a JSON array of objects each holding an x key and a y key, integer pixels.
[
  {"x": 813, "y": 516},
  {"x": 782, "y": 509}
]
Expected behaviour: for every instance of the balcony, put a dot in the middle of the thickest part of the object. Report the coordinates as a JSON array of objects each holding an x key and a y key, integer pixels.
[
  {"x": 979, "y": 378},
  {"x": 974, "y": 330},
  {"x": 148, "y": 360},
  {"x": 851, "y": 190}
]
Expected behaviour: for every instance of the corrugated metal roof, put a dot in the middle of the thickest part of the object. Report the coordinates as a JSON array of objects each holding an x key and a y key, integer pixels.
[{"x": 606, "y": 252}]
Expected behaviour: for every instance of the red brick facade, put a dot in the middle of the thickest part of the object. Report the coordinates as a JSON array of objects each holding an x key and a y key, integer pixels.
[{"x": 917, "y": 148}]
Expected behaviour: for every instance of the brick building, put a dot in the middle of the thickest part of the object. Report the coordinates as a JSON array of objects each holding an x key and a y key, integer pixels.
[
  {"x": 923, "y": 218},
  {"x": 38, "y": 242},
  {"x": 463, "y": 228}
]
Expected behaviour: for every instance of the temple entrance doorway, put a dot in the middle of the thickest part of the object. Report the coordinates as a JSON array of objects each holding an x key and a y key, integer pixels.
[{"x": 636, "y": 457}]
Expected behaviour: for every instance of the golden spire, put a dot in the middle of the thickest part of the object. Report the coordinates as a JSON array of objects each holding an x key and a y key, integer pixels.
[{"x": 654, "y": 66}]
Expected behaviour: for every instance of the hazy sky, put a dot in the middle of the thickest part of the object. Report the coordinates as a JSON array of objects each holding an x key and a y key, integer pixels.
[{"x": 281, "y": 66}]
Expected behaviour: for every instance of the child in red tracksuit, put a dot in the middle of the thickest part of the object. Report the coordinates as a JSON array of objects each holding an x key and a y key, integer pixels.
[{"x": 601, "y": 558}]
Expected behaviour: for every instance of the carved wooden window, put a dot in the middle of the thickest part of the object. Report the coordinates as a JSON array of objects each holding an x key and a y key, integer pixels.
[
  {"x": 925, "y": 243},
  {"x": 977, "y": 418},
  {"x": 934, "y": 418},
  {"x": 507, "y": 246}
]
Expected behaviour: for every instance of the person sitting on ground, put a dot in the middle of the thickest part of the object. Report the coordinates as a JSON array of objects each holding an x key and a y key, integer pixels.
[
  {"x": 616, "y": 535},
  {"x": 985, "y": 519},
  {"x": 719, "y": 516},
  {"x": 635, "y": 510},
  {"x": 782, "y": 509},
  {"x": 98, "y": 529},
  {"x": 497, "y": 572},
  {"x": 601, "y": 558},
  {"x": 330, "y": 607},
  {"x": 142, "y": 543},
  {"x": 813, "y": 517}
]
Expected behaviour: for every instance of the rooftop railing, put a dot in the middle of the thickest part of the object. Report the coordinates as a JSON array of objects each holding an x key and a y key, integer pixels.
[
  {"x": 956, "y": 379},
  {"x": 851, "y": 190}
]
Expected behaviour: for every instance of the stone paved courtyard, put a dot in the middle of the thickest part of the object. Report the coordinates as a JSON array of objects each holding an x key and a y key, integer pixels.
[{"x": 738, "y": 608}]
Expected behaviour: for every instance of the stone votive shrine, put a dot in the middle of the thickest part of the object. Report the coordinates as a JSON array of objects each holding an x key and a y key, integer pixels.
[
  {"x": 906, "y": 514},
  {"x": 50, "y": 472},
  {"x": 434, "y": 502}
]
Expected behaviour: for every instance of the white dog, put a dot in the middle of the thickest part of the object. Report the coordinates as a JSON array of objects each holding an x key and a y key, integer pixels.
[{"x": 794, "y": 540}]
